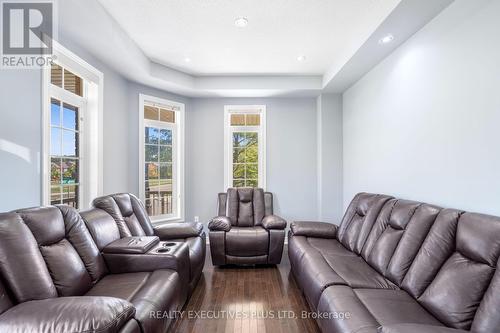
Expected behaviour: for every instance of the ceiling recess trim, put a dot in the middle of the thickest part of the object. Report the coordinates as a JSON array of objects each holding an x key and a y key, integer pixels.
[{"x": 106, "y": 42}]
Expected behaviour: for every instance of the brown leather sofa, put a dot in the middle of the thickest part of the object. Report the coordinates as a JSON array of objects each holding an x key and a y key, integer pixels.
[
  {"x": 131, "y": 219},
  {"x": 246, "y": 232},
  {"x": 398, "y": 266},
  {"x": 55, "y": 278}
]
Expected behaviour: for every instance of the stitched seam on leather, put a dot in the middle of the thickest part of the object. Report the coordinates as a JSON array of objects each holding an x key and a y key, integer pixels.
[
  {"x": 367, "y": 309},
  {"x": 112, "y": 323},
  {"x": 419, "y": 247},
  {"x": 124, "y": 224},
  {"x": 332, "y": 239},
  {"x": 139, "y": 287},
  {"x": 374, "y": 224},
  {"x": 85, "y": 229},
  {"x": 365, "y": 326},
  {"x": 363, "y": 240},
  {"x": 301, "y": 255},
  {"x": 43, "y": 258},
  {"x": 268, "y": 244},
  {"x": 348, "y": 223},
  {"x": 421, "y": 250},
  {"x": 326, "y": 261},
  {"x": 412, "y": 213},
  {"x": 307, "y": 240}
]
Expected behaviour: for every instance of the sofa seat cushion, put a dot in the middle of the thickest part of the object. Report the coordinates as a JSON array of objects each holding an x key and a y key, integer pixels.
[
  {"x": 357, "y": 273},
  {"x": 316, "y": 266},
  {"x": 394, "y": 306},
  {"x": 346, "y": 313},
  {"x": 329, "y": 247},
  {"x": 149, "y": 292},
  {"x": 316, "y": 275},
  {"x": 370, "y": 308},
  {"x": 247, "y": 241},
  {"x": 417, "y": 328},
  {"x": 68, "y": 314}
]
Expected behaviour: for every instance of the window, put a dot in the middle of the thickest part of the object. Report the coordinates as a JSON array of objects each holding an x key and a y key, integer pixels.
[
  {"x": 64, "y": 153},
  {"x": 72, "y": 104},
  {"x": 245, "y": 129},
  {"x": 161, "y": 158},
  {"x": 67, "y": 105}
]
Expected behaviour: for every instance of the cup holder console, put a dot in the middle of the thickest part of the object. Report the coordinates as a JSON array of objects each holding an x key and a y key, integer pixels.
[
  {"x": 163, "y": 250},
  {"x": 169, "y": 244}
]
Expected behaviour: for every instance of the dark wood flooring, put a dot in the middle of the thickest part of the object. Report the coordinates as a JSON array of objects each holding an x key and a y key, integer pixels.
[{"x": 243, "y": 299}]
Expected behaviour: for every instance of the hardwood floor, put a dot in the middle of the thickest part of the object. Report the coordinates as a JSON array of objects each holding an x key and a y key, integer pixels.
[{"x": 243, "y": 299}]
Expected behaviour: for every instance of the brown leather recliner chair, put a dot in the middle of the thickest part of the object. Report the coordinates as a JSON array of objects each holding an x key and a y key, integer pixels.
[{"x": 245, "y": 230}]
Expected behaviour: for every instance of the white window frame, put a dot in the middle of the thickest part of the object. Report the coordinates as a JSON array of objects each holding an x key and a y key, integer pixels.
[
  {"x": 177, "y": 128},
  {"x": 90, "y": 122},
  {"x": 228, "y": 135}
]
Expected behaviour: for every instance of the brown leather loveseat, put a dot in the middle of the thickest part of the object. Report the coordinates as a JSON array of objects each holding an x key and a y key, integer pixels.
[
  {"x": 399, "y": 266},
  {"x": 54, "y": 277}
]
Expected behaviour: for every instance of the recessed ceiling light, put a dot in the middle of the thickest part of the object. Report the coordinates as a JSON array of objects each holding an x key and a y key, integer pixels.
[
  {"x": 386, "y": 39},
  {"x": 187, "y": 59},
  {"x": 241, "y": 22},
  {"x": 301, "y": 58}
]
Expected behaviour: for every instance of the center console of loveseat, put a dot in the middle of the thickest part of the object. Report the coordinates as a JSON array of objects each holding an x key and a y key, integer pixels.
[{"x": 147, "y": 254}]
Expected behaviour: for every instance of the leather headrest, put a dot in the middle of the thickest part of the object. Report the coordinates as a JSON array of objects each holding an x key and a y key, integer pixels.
[
  {"x": 362, "y": 207},
  {"x": 46, "y": 224},
  {"x": 124, "y": 203},
  {"x": 402, "y": 213},
  {"x": 478, "y": 237},
  {"x": 245, "y": 194}
]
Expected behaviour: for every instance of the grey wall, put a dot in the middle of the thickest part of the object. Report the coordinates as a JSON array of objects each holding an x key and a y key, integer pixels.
[
  {"x": 116, "y": 124},
  {"x": 424, "y": 124},
  {"x": 291, "y": 155},
  {"x": 329, "y": 145},
  {"x": 20, "y": 124},
  {"x": 20, "y": 138}
]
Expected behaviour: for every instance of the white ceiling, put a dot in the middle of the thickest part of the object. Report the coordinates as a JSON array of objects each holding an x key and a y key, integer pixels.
[{"x": 327, "y": 32}]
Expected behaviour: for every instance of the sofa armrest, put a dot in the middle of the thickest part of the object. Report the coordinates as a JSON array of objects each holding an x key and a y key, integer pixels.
[
  {"x": 68, "y": 314},
  {"x": 220, "y": 223},
  {"x": 417, "y": 328},
  {"x": 132, "y": 245},
  {"x": 273, "y": 222},
  {"x": 313, "y": 229},
  {"x": 178, "y": 230},
  {"x": 174, "y": 257}
]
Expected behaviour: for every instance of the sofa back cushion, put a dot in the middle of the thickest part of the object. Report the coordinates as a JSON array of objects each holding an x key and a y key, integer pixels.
[
  {"x": 245, "y": 207},
  {"x": 487, "y": 318},
  {"x": 21, "y": 264},
  {"x": 437, "y": 247},
  {"x": 102, "y": 226},
  {"x": 397, "y": 235},
  {"x": 358, "y": 220},
  {"x": 78, "y": 235},
  {"x": 128, "y": 212},
  {"x": 48, "y": 252},
  {"x": 457, "y": 290}
]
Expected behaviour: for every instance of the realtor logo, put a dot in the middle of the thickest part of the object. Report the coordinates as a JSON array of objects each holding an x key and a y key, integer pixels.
[{"x": 27, "y": 33}]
